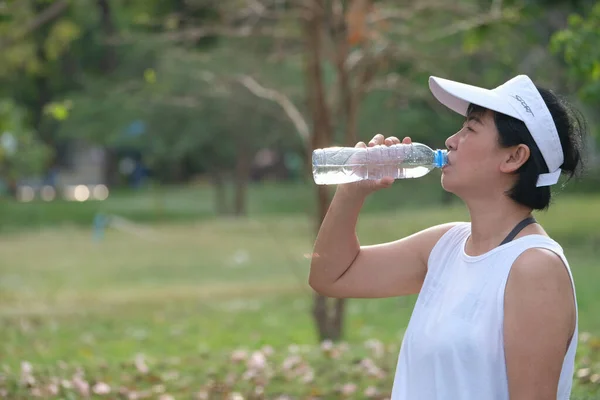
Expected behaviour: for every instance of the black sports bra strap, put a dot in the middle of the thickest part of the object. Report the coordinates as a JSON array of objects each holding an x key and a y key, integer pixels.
[{"x": 517, "y": 229}]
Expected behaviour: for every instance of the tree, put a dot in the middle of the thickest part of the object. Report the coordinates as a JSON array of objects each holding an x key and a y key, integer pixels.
[
  {"x": 347, "y": 47},
  {"x": 578, "y": 45},
  {"x": 178, "y": 80},
  {"x": 22, "y": 154}
]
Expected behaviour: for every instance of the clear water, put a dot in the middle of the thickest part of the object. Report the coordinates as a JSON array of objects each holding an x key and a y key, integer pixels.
[
  {"x": 334, "y": 174},
  {"x": 339, "y": 165}
]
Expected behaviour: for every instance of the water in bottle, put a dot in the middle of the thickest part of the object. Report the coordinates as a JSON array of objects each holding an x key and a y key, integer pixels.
[{"x": 339, "y": 165}]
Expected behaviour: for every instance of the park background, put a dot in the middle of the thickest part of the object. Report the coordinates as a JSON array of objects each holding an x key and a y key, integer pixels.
[{"x": 157, "y": 209}]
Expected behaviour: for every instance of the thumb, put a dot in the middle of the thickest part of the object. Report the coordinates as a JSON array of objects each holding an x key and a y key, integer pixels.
[{"x": 386, "y": 182}]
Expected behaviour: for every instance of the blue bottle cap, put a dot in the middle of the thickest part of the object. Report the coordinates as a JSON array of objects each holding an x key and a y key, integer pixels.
[{"x": 440, "y": 158}]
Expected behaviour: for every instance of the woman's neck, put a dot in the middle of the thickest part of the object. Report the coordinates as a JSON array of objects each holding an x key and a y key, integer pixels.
[{"x": 492, "y": 221}]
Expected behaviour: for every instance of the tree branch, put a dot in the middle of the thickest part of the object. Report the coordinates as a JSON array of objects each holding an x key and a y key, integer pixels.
[
  {"x": 290, "y": 109},
  {"x": 404, "y": 88},
  {"x": 466, "y": 25},
  {"x": 50, "y": 13},
  {"x": 404, "y": 14},
  {"x": 195, "y": 34}
]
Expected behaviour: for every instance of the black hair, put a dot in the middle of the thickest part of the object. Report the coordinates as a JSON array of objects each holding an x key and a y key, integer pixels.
[{"x": 571, "y": 127}]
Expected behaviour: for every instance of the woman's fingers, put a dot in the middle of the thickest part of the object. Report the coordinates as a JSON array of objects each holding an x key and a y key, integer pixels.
[
  {"x": 377, "y": 140},
  {"x": 392, "y": 140}
]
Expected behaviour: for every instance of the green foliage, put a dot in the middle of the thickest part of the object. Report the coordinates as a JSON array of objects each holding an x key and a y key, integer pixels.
[
  {"x": 22, "y": 154},
  {"x": 19, "y": 47},
  {"x": 578, "y": 45},
  {"x": 184, "y": 92},
  {"x": 189, "y": 104}
]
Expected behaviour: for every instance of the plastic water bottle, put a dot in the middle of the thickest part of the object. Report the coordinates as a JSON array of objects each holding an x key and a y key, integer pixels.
[{"x": 339, "y": 165}]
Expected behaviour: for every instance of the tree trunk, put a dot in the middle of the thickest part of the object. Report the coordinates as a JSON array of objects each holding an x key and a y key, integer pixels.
[
  {"x": 111, "y": 167},
  {"x": 321, "y": 316},
  {"x": 348, "y": 101},
  {"x": 220, "y": 192},
  {"x": 109, "y": 61},
  {"x": 44, "y": 94},
  {"x": 328, "y": 317},
  {"x": 242, "y": 171}
]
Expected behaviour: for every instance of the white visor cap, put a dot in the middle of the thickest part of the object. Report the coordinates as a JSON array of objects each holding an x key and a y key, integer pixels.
[{"x": 518, "y": 98}]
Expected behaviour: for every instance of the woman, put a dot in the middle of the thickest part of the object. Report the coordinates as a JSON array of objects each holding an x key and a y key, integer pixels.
[{"x": 496, "y": 315}]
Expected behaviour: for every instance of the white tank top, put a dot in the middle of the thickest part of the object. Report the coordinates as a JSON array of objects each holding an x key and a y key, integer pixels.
[{"x": 453, "y": 347}]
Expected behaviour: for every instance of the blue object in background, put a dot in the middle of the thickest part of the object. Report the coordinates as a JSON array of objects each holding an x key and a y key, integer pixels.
[
  {"x": 99, "y": 226},
  {"x": 136, "y": 128}
]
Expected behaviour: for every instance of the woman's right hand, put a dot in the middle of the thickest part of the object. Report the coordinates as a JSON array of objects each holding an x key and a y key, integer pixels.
[{"x": 366, "y": 187}]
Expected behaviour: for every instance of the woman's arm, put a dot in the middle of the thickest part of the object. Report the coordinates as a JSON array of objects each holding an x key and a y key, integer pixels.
[
  {"x": 341, "y": 267},
  {"x": 539, "y": 321}
]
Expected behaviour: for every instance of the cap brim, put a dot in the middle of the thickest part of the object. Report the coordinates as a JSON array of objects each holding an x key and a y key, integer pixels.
[{"x": 457, "y": 97}]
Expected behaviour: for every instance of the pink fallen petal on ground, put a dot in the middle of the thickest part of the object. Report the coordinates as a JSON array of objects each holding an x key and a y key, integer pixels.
[
  {"x": 26, "y": 368},
  {"x": 371, "y": 391},
  {"x": 101, "y": 388},
  {"x": 81, "y": 386},
  {"x": 584, "y": 337},
  {"x": 290, "y": 362},
  {"x": 583, "y": 372},
  {"x": 140, "y": 364},
  {"x": 52, "y": 388},
  {"x": 267, "y": 350},
  {"x": 348, "y": 389},
  {"x": 326, "y": 345},
  {"x": 239, "y": 355},
  {"x": 308, "y": 376},
  {"x": 376, "y": 346},
  {"x": 201, "y": 395},
  {"x": 230, "y": 379},
  {"x": 27, "y": 378},
  {"x": 249, "y": 375},
  {"x": 257, "y": 361},
  {"x": 159, "y": 389}
]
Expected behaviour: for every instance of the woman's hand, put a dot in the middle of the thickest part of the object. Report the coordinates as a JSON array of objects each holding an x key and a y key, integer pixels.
[{"x": 368, "y": 186}]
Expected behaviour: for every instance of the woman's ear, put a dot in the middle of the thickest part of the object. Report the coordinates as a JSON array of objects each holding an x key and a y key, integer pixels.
[{"x": 516, "y": 156}]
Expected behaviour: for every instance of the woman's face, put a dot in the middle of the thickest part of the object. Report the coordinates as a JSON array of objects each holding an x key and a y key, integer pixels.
[{"x": 474, "y": 158}]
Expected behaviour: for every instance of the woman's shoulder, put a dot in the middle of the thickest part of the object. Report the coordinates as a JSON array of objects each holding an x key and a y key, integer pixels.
[
  {"x": 450, "y": 235},
  {"x": 457, "y": 229}
]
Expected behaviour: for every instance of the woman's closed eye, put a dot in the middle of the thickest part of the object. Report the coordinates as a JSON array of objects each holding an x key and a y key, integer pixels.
[{"x": 467, "y": 125}]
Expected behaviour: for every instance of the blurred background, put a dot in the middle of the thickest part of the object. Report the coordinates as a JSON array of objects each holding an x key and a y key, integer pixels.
[{"x": 157, "y": 208}]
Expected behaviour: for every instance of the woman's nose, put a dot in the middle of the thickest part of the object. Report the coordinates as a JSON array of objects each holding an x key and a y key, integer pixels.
[{"x": 451, "y": 142}]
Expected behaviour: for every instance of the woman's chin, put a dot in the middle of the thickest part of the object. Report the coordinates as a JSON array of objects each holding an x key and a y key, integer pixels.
[{"x": 447, "y": 183}]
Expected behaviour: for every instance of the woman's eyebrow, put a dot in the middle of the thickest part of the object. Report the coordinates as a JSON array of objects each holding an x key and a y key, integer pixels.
[{"x": 475, "y": 118}]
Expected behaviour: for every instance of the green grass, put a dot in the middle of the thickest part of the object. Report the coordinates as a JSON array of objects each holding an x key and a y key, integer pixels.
[
  {"x": 197, "y": 202},
  {"x": 199, "y": 290}
]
